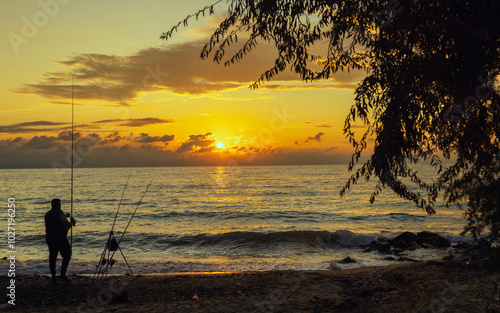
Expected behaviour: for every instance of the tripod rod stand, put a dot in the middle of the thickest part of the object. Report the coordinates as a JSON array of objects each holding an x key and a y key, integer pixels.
[{"x": 107, "y": 260}]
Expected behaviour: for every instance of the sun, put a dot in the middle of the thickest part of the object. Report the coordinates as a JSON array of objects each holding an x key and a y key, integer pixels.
[{"x": 220, "y": 145}]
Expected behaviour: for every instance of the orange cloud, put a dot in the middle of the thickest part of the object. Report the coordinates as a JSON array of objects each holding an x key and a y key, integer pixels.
[
  {"x": 176, "y": 68},
  {"x": 198, "y": 143},
  {"x": 316, "y": 138}
]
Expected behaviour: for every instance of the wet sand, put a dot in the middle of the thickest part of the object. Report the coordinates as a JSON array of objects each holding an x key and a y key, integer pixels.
[{"x": 403, "y": 287}]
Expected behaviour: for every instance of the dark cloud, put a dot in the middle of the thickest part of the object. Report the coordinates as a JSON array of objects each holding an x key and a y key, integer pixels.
[
  {"x": 66, "y": 136},
  {"x": 324, "y": 125},
  {"x": 174, "y": 68},
  {"x": 315, "y": 138},
  {"x": 94, "y": 137},
  {"x": 38, "y": 123},
  {"x": 79, "y": 126},
  {"x": 42, "y": 142},
  {"x": 206, "y": 149},
  {"x": 17, "y": 140},
  {"x": 12, "y": 142},
  {"x": 197, "y": 143},
  {"x": 145, "y": 138},
  {"x": 47, "y": 152},
  {"x": 114, "y": 137},
  {"x": 136, "y": 122},
  {"x": 27, "y": 127}
]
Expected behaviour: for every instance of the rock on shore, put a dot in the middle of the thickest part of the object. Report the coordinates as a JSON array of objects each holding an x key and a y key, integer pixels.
[{"x": 408, "y": 241}]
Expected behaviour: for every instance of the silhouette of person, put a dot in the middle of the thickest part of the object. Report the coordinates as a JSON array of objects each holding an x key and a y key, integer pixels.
[{"x": 56, "y": 231}]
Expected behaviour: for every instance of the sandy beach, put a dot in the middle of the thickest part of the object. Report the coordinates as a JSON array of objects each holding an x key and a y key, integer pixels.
[{"x": 403, "y": 287}]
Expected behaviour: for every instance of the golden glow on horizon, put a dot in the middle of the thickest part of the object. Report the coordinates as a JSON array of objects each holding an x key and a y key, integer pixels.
[{"x": 161, "y": 103}]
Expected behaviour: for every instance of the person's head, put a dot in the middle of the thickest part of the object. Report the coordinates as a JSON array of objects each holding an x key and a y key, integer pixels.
[{"x": 56, "y": 204}]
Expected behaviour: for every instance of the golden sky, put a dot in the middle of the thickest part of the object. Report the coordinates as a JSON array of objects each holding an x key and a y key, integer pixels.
[{"x": 141, "y": 101}]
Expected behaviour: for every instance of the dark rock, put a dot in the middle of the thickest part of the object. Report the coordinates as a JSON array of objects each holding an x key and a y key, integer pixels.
[
  {"x": 347, "y": 260},
  {"x": 424, "y": 235},
  {"x": 389, "y": 258},
  {"x": 413, "y": 246},
  {"x": 404, "y": 240},
  {"x": 383, "y": 245},
  {"x": 432, "y": 239},
  {"x": 372, "y": 246},
  {"x": 397, "y": 251},
  {"x": 461, "y": 245},
  {"x": 441, "y": 242}
]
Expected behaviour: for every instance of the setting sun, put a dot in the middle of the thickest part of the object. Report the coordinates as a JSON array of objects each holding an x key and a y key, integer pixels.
[{"x": 220, "y": 145}]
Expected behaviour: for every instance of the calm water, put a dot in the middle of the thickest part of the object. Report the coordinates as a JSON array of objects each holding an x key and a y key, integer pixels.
[{"x": 213, "y": 218}]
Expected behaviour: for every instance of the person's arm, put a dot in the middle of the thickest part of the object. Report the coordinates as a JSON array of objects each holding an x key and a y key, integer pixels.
[{"x": 65, "y": 221}]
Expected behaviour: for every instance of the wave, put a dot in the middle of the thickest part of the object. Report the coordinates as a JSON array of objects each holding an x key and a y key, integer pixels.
[
  {"x": 260, "y": 240},
  {"x": 233, "y": 212},
  {"x": 229, "y": 251},
  {"x": 403, "y": 217},
  {"x": 274, "y": 193},
  {"x": 255, "y": 242}
]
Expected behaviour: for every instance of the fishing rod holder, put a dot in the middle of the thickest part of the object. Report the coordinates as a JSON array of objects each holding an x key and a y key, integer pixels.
[
  {"x": 106, "y": 261},
  {"x": 112, "y": 245}
]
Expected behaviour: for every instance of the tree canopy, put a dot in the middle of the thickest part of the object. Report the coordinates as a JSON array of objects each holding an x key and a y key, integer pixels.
[{"x": 430, "y": 91}]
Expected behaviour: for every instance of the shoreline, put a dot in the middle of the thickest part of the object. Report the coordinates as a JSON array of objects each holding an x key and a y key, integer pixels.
[{"x": 432, "y": 286}]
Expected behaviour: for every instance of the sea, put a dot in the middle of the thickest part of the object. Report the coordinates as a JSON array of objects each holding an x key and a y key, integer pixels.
[{"x": 211, "y": 219}]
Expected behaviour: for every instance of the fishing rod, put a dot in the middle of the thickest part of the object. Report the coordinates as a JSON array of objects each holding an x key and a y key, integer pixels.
[
  {"x": 72, "y": 151},
  {"x": 121, "y": 199},
  {"x": 109, "y": 261},
  {"x": 109, "y": 244},
  {"x": 140, "y": 201}
]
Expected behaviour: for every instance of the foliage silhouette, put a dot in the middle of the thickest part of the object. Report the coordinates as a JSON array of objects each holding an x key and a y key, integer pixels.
[{"x": 429, "y": 93}]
